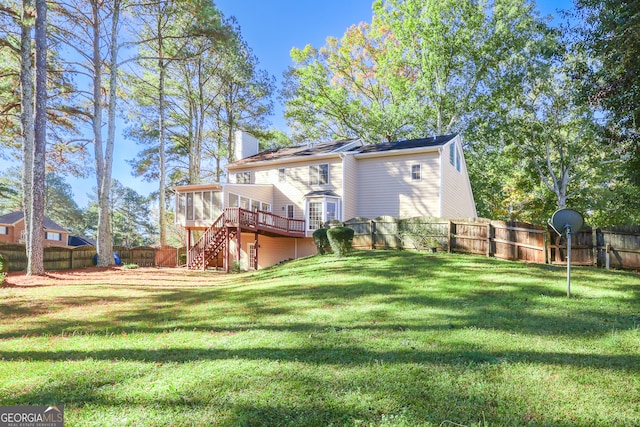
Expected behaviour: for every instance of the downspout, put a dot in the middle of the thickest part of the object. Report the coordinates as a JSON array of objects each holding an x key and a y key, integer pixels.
[
  {"x": 440, "y": 151},
  {"x": 343, "y": 156}
]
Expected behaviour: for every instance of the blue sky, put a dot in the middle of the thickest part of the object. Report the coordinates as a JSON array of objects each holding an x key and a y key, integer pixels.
[{"x": 271, "y": 28}]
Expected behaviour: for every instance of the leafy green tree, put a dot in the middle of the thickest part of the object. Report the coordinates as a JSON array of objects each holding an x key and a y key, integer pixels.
[
  {"x": 612, "y": 81},
  {"x": 130, "y": 217},
  {"x": 422, "y": 67},
  {"x": 60, "y": 205},
  {"x": 167, "y": 29},
  {"x": 245, "y": 98}
]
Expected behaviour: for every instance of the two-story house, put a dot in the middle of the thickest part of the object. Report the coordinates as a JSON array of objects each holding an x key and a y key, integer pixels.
[
  {"x": 12, "y": 230},
  {"x": 275, "y": 199}
]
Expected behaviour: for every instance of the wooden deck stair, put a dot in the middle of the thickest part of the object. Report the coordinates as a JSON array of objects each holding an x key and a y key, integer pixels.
[{"x": 217, "y": 237}]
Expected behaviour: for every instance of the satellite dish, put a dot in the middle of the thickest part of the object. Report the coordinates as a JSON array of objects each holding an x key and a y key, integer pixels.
[{"x": 567, "y": 219}]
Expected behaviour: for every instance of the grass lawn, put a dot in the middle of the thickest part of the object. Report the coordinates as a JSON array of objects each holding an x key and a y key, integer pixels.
[{"x": 381, "y": 338}]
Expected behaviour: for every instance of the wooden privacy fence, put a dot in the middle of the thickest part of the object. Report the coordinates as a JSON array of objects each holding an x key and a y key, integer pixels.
[
  {"x": 617, "y": 247},
  {"x": 64, "y": 258}
]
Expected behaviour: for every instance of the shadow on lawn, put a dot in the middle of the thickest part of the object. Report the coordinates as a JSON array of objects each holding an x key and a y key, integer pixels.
[
  {"x": 337, "y": 356},
  {"x": 417, "y": 282}
]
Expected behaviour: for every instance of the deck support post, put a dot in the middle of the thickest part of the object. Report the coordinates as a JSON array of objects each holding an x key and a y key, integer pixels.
[
  {"x": 239, "y": 248},
  {"x": 227, "y": 250},
  {"x": 189, "y": 247},
  {"x": 256, "y": 247}
]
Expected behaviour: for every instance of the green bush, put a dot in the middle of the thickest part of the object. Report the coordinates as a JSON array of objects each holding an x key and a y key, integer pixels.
[
  {"x": 235, "y": 267},
  {"x": 321, "y": 240},
  {"x": 182, "y": 259},
  {"x": 4, "y": 265},
  {"x": 130, "y": 266},
  {"x": 341, "y": 240}
]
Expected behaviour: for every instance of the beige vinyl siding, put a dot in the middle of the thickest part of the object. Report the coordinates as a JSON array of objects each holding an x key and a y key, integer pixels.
[
  {"x": 296, "y": 184},
  {"x": 385, "y": 186},
  {"x": 457, "y": 197},
  {"x": 263, "y": 193},
  {"x": 350, "y": 185},
  {"x": 272, "y": 250}
]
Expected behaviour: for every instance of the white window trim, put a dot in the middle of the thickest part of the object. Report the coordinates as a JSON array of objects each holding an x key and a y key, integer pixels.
[
  {"x": 419, "y": 172},
  {"x": 48, "y": 235},
  {"x": 315, "y": 180},
  {"x": 323, "y": 200},
  {"x": 454, "y": 157}
]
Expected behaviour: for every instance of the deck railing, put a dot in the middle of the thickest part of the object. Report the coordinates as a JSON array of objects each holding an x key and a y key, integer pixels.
[{"x": 265, "y": 221}]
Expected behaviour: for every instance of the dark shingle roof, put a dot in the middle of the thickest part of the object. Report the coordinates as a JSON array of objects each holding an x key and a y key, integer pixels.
[
  {"x": 336, "y": 146},
  {"x": 321, "y": 193},
  {"x": 299, "y": 151},
  {"x": 13, "y": 217},
  {"x": 434, "y": 141},
  {"x": 80, "y": 241}
]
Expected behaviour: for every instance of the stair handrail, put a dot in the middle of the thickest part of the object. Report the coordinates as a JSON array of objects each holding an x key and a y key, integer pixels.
[{"x": 207, "y": 237}]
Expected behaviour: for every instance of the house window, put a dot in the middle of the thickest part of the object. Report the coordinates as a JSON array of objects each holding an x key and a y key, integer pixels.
[
  {"x": 243, "y": 178},
  {"x": 332, "y": 211},
  {"x": 321, "y": 210},
  {"x": 265, "y": 207},
  {"x": 255, "y": 205},
  {"x": 4, "y": 229},
  {"x": 289, "y": 211},
  {"x": 190, "y": 206},
  {"x": 48, "y": 235},
  {"x": 245, "y": 202},
  {"x": 416, "y": 173},
  {"x": 208, "y": 206},
  {"x": 282, "y": 177},
  {"x": 233, "y": 200},
  {"x": 182, "y": 208},
  {"x": 319, "y": 174},
  {"x": 197, "y": 201},
  {"x": 454, "y": 156},
  {"x": 315, "y": 215}
]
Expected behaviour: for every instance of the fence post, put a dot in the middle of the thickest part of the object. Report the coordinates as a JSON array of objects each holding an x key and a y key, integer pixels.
[
  {"x": 489, "y": 231},
  {"x": 372, "y": 233},
  {"x": 607, "y": 256},
  {"x": 545, "y": 244},
  {"x": 594, "y": 244},
  {"x": 450, "y": 230}
]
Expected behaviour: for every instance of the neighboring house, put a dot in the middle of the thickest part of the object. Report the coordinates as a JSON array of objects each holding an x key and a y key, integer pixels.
[
  {"x": 12, "y": 230},
  {"x": 81, "y": 241},
  {"x": 300, "y": 188}
]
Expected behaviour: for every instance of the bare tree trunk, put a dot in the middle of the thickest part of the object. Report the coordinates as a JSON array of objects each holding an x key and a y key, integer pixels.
[
  {"x": 104, "y": 245},
  {"x": 26, "y": 115},
  {"x": 111, "y": 118},
  {"x": 35, "y": 264},
  {"x": 161, "y": 135}
]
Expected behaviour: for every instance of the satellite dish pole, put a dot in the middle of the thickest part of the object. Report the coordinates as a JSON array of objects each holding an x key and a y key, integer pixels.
[
  {"x": 567, "y": 221},
  {"x": 568, "y": 228}
]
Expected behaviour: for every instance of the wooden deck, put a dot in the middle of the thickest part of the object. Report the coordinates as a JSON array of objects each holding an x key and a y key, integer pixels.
[
  {"x": 230, "y": 223},
  {"x": 264, "y": 223}
]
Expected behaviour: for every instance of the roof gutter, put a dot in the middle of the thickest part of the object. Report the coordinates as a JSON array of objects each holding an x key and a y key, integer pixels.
[
  {"x": 399, "y": 152},
  {"x": 284, "y": 160}
]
